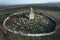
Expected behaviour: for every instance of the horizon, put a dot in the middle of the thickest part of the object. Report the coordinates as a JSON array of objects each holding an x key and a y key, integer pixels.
[{"x": 15, "y": 2}]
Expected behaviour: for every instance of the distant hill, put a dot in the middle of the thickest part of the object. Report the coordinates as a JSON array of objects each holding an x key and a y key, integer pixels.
[
  {"x": 3, "y": 4},
  {"x": 49, "y": 5},
  {"x": 53, "y": 3}
]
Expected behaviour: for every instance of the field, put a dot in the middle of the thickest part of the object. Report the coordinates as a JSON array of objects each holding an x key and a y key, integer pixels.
[{"x": 10, "y": 36}]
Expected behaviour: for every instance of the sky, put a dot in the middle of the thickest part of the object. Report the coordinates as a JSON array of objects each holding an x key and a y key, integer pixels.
[{"x": 13, "y": 2}]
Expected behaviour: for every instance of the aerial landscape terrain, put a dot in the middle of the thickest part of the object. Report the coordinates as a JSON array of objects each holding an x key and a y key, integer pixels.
[{"x": 52, "y": 10}]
